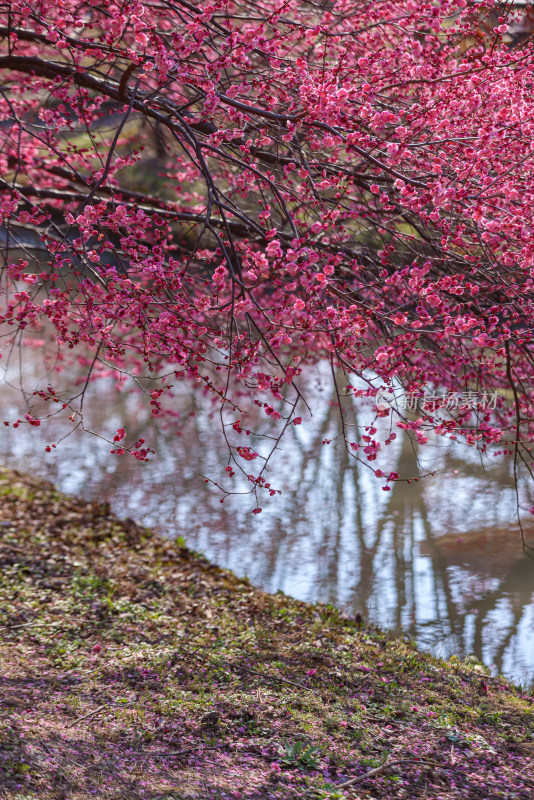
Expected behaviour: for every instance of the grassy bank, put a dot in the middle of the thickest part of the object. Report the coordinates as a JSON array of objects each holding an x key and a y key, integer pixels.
[{"x": 132, "y": 668}]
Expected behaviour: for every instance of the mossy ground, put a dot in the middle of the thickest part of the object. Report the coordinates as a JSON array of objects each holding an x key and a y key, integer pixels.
[{"x": 132, "y": 668}]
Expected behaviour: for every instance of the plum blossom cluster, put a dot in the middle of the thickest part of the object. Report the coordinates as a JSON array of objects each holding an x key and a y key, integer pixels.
[{"x": 226, "y": 192}]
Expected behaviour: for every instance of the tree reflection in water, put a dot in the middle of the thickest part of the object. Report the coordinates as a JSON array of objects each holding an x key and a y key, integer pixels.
[{"x": 440, "y": 558}]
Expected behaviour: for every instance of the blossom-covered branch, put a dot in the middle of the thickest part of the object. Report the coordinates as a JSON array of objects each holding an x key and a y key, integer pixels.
[{"x": 348, "y": 181}]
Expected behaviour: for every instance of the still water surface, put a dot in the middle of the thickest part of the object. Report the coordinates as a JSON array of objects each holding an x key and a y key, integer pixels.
[{"x": 439, "y": 559}]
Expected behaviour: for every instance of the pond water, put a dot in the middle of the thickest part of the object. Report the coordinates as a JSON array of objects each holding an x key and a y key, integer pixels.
[{"x": 440, "y": 559}]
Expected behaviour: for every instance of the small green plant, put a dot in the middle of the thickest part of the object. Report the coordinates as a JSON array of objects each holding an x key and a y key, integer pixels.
[
  {"x": 300, "y": 754},
  {"x": 20, "y": 768},
  {"x": 486, "y": 717},
  {"x": 73, "y": 701},
  {"x": 329, "y": 792}
]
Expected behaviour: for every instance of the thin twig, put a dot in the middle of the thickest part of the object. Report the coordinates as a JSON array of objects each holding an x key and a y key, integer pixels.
[
  {"x": 381, "y": 768},
  {"x": 268, "y": 677},
  {"x": 31, "y": 625},
  {"x": 173, "y": 753},
  {"x": 90, "y": 714}
]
